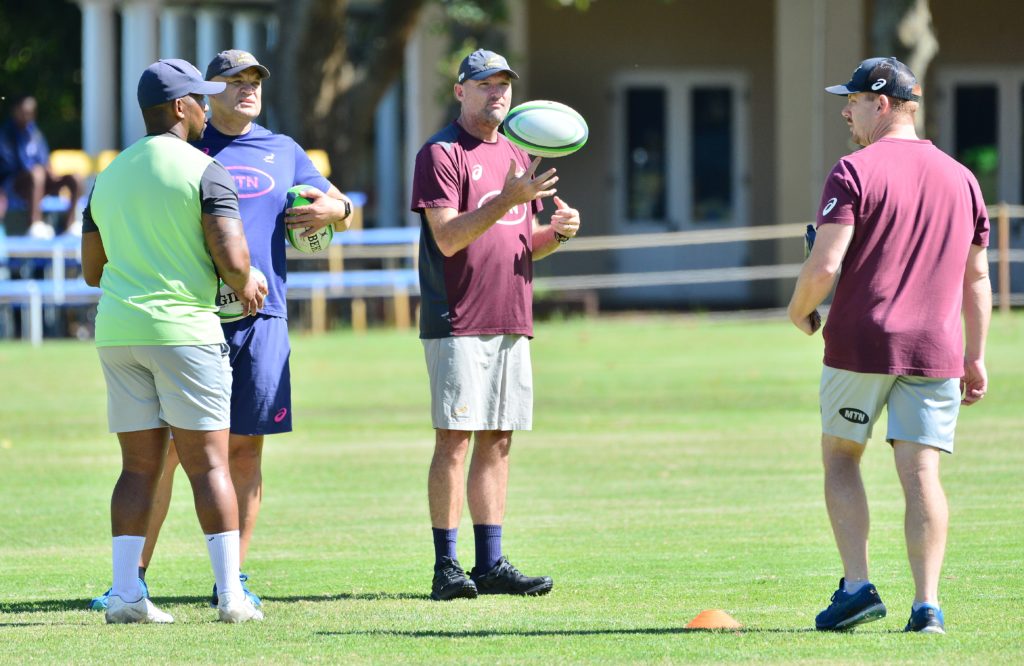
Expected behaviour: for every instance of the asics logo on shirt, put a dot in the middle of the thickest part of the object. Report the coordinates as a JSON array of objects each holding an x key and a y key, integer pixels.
[
  {"x": 269, "y": 158},
  {"x": 478, "y": 170},
  {"x": 829, "y": 206},
  {"x": 515, "y": 215}
]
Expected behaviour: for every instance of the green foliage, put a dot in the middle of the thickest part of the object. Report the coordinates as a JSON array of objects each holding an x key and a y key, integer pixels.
[
  {"x": 40, "y": 55},
  {"x": 469, "y": 24},
  {"x": 673, "y": 467}
]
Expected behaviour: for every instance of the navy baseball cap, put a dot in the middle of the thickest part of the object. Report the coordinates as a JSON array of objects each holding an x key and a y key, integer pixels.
[
  {"x": 482, "y": 63},
  {"x": 885, "y": 76},
  {"x": 167, "y": 80},
  {"x": 233, "y": 61}
]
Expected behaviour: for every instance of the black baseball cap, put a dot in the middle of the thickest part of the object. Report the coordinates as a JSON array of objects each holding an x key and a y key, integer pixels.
[
  {"x": 167, "y": 80},
  {"x": 482, "y": 63},
  {"x": 885, "y": 76},
  {"x": 233, "y": 61}
]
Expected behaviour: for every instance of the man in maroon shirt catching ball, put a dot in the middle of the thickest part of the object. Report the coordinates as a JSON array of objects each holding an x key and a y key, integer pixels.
[{"x": 478, "y": 197}]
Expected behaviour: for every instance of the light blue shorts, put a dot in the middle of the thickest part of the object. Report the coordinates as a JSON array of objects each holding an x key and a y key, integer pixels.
[
  {"x": 480, "y": 382},
  {"x": 154, "y": 386},
  {"x": 921, "y": 409}
]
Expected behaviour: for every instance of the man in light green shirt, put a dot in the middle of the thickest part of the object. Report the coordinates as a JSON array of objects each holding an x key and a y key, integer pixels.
[{"x": 161, "y": 224}]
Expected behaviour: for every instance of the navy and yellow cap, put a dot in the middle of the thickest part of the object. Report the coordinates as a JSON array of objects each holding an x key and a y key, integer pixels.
[
  {"x": 482, "y": 63},
  {"x": 885, "y": 76},
  {"x": 233, "y": 61}
]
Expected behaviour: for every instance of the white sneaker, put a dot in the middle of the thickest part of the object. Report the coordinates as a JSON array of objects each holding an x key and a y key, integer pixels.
[
  {"x": 237, "y": 608},
  {"x": 142, "y": 611},
  {"x": 41, "y": 230}
]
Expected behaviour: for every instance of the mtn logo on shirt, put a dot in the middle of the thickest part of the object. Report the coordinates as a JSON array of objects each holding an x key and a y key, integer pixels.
[{"x": 250, "y": 181}]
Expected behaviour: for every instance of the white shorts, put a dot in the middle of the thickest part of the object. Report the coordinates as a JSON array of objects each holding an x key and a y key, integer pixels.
[
  {"x": 153, "y": 386},
  {"x": 921, "y": 409},
  {"x": 480, "y": 382}
]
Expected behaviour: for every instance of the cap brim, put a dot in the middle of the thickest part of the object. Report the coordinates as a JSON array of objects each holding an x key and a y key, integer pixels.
[
  {"x": 209, "y": 88},
  {"x": 491, "y": 72},
  {"x": 264, "y": 72},
  {"x": 840, "y": 90}
]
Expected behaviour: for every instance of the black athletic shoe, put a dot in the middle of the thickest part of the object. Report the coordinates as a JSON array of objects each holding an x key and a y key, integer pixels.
[
  {"x": 848, "y": 610},
  {"x": 450, "y": 582},
  {"x": 504, "y": 578},
  {"x": 927, "y": 620}
]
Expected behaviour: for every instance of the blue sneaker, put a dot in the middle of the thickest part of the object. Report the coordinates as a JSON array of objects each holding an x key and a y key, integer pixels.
[
  {"x": 927, "y": 620},
  {"x": 101, "y": 602},
  {"x": 848, "y": 610},
  {"x": 245, "y": 588}
]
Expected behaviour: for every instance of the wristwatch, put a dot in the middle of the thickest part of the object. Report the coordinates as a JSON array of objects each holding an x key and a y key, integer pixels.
[
  {"x": 348, "y": 209},
  {"x": 562, "y": 240}
]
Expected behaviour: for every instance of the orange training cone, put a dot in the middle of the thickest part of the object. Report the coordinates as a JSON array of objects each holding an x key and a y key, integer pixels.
[{"x": 713, "y": 619}]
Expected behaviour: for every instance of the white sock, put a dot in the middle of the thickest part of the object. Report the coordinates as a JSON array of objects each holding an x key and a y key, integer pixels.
[
  {"x": 917, "y": 605},
  {"x": 855, "y": 586},
  {"x": 224, "y": 557},
  {"x": 127, "y": 550}
]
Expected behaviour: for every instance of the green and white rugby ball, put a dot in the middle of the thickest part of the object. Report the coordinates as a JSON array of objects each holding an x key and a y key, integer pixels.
[
  {"x": 313, "y": 243},
  {"x": 546, "y": 129}
]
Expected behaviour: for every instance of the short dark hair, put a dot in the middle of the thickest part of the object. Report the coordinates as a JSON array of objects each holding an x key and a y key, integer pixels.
[{"x": 897, "y": 104}]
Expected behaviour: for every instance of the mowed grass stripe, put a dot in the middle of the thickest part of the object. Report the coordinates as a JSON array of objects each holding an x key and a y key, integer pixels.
[{"x": 674, "y": 467}]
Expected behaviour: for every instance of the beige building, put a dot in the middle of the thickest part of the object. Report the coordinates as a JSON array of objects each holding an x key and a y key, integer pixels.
[
  {"x": 702, "y": 115},
  {"x": 711, "y": 115}
]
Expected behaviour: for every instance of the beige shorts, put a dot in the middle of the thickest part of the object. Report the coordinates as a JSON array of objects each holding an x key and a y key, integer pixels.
[
  {"x": 153, "y": 386},
  {"x": 921, "y": 409},
  {"x": 480, "y": 382}
]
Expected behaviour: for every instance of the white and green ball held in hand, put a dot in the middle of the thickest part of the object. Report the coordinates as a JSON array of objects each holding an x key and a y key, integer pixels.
[
  {"x": 313, "y": 243},
  {"x": 546, "y": 129},
  {"x": 229, "y": 308}
]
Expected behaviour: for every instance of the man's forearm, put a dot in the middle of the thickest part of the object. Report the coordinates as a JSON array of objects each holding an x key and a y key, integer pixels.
[
  {"x": 457, "y": 233},
  {"x": 544, "y": 242},
  {"x": 977, "y": 309}
]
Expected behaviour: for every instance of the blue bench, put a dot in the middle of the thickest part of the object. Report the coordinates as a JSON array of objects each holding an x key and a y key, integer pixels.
[
  {"x": 36, "y": 293},
  {"x": 396, "y": 284}
]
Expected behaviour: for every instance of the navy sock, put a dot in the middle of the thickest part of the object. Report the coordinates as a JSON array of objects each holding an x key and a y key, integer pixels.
[
  {"x": 488, "y": 546},
  {"x": 444, "y": 543}
]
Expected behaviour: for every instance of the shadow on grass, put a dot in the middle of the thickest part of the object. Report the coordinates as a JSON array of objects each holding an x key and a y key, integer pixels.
[
  {"x": 62, "y": 605},
  {"x": 487, "y": 633},
  {"x": 44, "y": 606}
]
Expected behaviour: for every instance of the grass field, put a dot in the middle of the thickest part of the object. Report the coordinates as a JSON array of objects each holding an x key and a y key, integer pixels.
[{"x": 674, "y": 467}]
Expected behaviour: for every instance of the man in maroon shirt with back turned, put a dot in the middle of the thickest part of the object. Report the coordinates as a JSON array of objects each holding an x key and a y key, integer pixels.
[
  {"x": 907, "y": 226},
  {"x": 478, "y": 197}
]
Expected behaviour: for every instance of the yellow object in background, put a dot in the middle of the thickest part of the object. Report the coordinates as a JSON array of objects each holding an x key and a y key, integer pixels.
[
  {"x": 104, "y": 159},
  {"x": 320, "y": 161},
  {"x": 66, "y": 161}
]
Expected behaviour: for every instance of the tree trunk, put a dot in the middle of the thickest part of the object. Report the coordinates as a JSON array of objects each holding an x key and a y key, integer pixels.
[
  {"x": 903, "y": 28},
  {"x": 328, "y": 94}
]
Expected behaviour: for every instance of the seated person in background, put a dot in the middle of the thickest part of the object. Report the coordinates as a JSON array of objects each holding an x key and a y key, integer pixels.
[{"x": 24, "y": 164}]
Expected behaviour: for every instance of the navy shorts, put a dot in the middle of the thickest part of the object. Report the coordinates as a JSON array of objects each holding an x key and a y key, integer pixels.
[{"x": 261, "y": 385}]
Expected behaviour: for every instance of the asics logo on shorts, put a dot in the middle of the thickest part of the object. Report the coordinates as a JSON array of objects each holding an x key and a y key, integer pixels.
[{"x": 853, "y": 415}]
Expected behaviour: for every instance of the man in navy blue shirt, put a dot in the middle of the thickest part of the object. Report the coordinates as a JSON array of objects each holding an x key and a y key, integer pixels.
[
  {"x": 264, "y": 166},
  {"x": 25, "y": 166}
]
